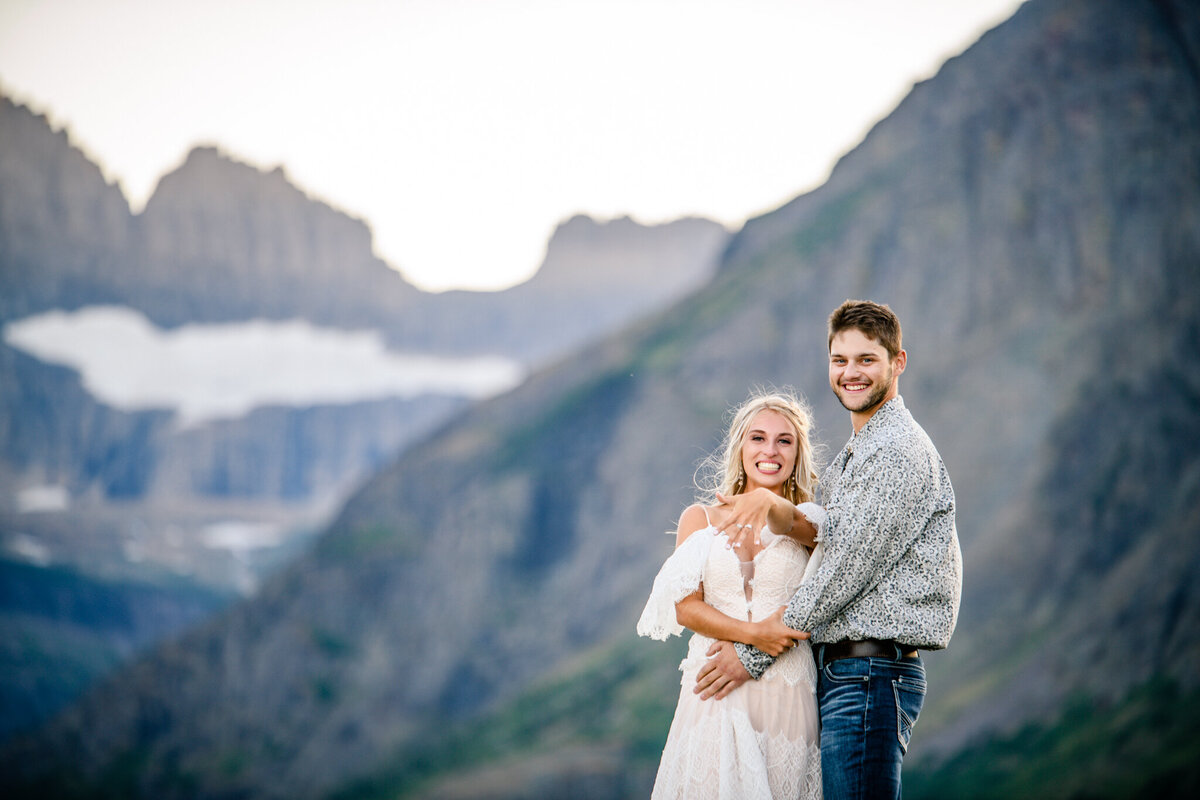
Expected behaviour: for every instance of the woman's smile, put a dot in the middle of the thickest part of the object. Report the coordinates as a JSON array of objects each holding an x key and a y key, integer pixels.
[{"x": 769, "y": 451}]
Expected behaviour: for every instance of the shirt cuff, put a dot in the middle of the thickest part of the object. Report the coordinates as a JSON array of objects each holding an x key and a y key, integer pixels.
[{"x": 754, "y": 660}]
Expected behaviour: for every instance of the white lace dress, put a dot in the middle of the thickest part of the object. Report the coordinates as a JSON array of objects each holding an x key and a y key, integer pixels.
[{"x": 762, "y": 740}]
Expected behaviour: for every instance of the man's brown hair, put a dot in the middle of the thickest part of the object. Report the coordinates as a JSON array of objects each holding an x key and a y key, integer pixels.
[{"x": 876, "y": 321}]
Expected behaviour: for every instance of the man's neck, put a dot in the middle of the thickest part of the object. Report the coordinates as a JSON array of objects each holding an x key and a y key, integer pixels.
[{"x": 860, "y": 418}]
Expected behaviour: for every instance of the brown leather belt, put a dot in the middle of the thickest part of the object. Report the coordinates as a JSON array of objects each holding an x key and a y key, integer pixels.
[{"x": 885, "y": 648}]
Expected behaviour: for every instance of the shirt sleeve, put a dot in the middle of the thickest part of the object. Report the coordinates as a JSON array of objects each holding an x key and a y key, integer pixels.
[{"x": 867, "y": 530}]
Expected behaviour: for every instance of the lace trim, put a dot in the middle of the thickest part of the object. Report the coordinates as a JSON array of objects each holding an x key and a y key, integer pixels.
[
  {"x": 680, "y": 575},
  {"x": 727, "y": 758}
]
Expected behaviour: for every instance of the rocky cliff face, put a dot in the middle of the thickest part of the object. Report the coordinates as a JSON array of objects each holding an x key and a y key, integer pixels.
[
  {"x": 222, "y": 241},
  {"x": 61, "y": 226},
  {"x": 597, "y": 276},
  {"x": 1033, "y": 215}
]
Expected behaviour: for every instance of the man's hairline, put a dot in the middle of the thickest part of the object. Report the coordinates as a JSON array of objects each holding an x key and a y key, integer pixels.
[{"x": 877, "y": 340}]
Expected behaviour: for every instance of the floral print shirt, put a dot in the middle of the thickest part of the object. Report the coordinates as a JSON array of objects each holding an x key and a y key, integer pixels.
[{"x": 892, "y": 568}]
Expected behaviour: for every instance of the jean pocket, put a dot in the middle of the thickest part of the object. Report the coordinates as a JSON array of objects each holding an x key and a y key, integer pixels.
[
  {"x": 842, "y": 676},
  {"x": 910, "y": 697}
]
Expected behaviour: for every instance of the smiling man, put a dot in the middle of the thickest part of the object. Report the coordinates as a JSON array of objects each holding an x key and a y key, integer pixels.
[{"x": 890, "y": 579}]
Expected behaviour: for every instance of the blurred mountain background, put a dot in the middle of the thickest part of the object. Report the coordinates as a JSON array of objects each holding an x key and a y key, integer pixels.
[
  {"x": 126, "y": 521},
  {"x": 454, "y": 617}
]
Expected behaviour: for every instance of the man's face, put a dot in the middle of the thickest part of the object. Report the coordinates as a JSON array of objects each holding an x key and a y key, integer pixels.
[{"x": 860, "y": 373}]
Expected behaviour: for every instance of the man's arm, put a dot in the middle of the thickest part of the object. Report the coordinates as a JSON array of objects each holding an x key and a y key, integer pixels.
[
  {"x": 769, "y": 635},
  {"x": 865, "y": 533}
]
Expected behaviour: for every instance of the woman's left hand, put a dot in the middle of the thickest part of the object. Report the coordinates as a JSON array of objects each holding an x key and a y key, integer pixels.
[{"x": 746, "y": 514}]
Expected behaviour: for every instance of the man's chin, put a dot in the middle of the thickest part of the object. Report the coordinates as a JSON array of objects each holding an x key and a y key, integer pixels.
[
  {"x": 854, "y": 402},
  {"x": 859, "y": 405}
]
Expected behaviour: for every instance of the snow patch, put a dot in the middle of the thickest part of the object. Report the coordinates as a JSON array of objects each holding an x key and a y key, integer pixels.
[
  {"x": 207, "y": 372},
  {"x": 42, "y": 498},
  {"x": 240, "y": 537},
  {"x": 29, "y": 549}
]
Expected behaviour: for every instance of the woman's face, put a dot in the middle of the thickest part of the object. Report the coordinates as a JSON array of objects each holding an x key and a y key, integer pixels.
[{"x": 769, "y": 451}]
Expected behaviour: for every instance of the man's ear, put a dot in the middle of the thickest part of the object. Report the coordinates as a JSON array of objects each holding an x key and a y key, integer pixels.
[{"x": 899, "y": 362}]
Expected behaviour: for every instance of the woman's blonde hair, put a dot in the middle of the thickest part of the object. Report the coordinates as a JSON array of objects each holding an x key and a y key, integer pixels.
[{"x": 724, "y": 467}]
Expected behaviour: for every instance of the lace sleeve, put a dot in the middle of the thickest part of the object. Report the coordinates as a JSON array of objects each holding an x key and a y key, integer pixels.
[
  {"x": 816, "y": 515},
  {"x": 680, "y": 576}
]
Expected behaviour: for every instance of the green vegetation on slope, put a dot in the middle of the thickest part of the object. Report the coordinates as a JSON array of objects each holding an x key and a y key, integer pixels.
[
  {"x": 60, "y": 631},
  {"x": 623, "y": 696},
  {"x": 1145, "y": 746}
]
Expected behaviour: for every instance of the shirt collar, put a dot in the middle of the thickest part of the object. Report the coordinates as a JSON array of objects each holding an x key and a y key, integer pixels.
[{"x": 888, "y": 412}]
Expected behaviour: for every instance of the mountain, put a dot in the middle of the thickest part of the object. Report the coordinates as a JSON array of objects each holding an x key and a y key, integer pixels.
[
  {"x": 603, "y": 274},
  {"x": 59, "y": 630},
  {"x": 141, "y": 491},
  {"x": 221, "y": 242},
  {"x": 464, "y": 627}
]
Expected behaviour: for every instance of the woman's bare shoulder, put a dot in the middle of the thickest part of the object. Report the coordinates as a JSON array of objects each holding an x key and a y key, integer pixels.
[{"x": 694, "y": 518}]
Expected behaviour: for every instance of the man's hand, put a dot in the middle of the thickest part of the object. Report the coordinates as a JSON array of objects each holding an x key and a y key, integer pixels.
[
  {"x": 773, "y": 637},
  {"x": 722, "y": 674}
]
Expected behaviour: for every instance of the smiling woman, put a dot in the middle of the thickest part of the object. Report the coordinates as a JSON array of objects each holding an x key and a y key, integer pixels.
[{"x": 206, "y": 372}]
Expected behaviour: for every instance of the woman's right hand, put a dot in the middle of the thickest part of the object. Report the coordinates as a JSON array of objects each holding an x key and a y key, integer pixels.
[{"x": 772, "y": 636}]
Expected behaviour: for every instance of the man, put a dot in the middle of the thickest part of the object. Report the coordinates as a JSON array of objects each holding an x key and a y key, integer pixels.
[{"x": 891, "y": 575}]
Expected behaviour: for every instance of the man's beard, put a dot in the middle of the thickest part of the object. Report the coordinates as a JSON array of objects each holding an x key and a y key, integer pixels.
[{"x": 873, "y": 399}]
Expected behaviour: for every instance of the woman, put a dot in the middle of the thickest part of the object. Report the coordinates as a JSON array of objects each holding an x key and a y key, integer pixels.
[{"x": 761, "y": 740}]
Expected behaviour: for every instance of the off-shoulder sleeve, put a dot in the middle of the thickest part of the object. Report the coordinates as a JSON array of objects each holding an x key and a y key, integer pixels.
[{"x": 680, "y": 575}]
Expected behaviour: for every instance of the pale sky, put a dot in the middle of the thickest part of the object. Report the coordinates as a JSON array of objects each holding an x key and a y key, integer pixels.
[{"x": 464, "y": 131}]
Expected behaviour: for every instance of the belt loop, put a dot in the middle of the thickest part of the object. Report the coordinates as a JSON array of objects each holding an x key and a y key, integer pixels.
[
  {"x": 899, "y": 651},
  {"x": 820, "y": 657}
]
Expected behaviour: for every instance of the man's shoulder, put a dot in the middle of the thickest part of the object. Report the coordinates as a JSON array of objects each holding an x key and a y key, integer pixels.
[
  {"x": 892, "y": 427},
  {"x": 901, "y": 438}
]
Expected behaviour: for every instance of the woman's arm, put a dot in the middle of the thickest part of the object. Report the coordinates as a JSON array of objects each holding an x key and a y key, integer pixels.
[
  {"x": 771, "y": 635},
  {"x": 747, "y": 514}
]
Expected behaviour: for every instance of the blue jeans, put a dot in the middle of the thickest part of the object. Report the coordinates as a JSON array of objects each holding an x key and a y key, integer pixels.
[{"x": 868, "y": 707}]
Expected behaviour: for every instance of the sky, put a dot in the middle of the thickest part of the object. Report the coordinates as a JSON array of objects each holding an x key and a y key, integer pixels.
[{"x": 464, "y": 131}]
